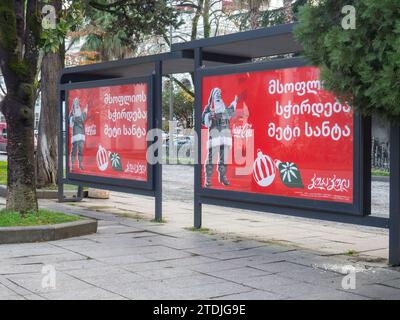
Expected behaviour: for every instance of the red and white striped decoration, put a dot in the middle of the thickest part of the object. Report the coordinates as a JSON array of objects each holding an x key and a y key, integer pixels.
[
  {"x": 102, "y": 158},
  {"x": 264, "y": 170}
]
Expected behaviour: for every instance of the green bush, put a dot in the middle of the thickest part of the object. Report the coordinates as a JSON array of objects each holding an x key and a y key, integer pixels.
[{"x": 361, "y": 65}]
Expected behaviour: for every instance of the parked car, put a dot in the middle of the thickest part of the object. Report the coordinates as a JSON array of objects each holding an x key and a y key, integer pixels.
[
  {"x": 181, "y": 141},
  {"x": 3, "y": 136},
  {"x": 185, "y": 142},
  {"x": 35, "y": 139}
]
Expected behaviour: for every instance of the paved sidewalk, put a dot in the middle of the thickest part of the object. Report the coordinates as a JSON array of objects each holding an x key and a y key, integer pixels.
[
  {"x": 129, "y": 259},
  {"x": 329, "y": 238},
  {"x": 243, "y": 254}
]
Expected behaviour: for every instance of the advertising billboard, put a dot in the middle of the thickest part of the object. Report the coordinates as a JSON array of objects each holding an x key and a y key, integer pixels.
[
  {"x": 107, "y": 129},
  {"x": 276, "y": 132}
]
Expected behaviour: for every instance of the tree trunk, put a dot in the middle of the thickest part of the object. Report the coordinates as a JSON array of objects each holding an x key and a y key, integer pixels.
[
  {"x": 195, "y": 24},
  {"x": 195, "y": 20},
  {"x": 254, "y": 13},
  {"x": 288, "y": 11},
  {"x": 19, "y": 51},
  {"x": 21, "y": 195},
  {"x": 206, "y": 19},
  {"x": 254, "y": 18},
  {"x": 46, "y": 153}
]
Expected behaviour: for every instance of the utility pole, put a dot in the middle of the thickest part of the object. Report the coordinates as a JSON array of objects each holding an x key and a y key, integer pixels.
[
  {"x": 171, "y": 84},
  {"x": 171, "y": 149}
]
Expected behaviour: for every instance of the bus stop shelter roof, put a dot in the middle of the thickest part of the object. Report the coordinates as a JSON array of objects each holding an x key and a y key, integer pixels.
[
  {"x": 173, "y": 62},
  {"x": 264, "y": 42},
  {"x": 222, "y": 50}
]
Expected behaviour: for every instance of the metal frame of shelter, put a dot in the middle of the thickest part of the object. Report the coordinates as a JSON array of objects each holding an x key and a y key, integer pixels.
[
  {"x": 147, "y": 187},
  {"x": 227, "y": 54},
  {"x": 124, "y": 72}
]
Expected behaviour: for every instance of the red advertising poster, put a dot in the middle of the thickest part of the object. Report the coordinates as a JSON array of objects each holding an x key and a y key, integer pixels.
[
  {"x": 107, "y": 131},
  {"x": 276, "y": 132}
]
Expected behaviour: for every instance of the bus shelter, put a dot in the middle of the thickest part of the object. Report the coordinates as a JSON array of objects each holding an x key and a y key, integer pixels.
[{"x": 309, "y": 153}]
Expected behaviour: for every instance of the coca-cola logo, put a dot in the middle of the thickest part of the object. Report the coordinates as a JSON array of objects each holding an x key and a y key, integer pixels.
[
  {"x": 243, "y": 131},
  {"x": 90, "y": 130}
]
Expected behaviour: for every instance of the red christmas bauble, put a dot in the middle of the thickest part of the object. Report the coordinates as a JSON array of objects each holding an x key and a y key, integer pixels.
[
  {"x": 264, "y": 170},
  {"x": 102, "y": 158}
]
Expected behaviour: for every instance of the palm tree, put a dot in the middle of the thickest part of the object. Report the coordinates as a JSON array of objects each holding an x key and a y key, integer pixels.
[
  {"x": 108, "y": 45},
  {"x": 254, "y": 7}
]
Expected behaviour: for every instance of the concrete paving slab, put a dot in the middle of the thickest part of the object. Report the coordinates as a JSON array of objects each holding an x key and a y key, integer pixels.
[
  {"x": 166, "y": 273},
  {"x": 85, "y": 294},
  {"x": 269, "y": 283},
  {"x": 34, "y": 283},
  {"x": 378, "y": 291},
  {"x": 238, "y": 275},
  {"x": 335, "y": 295},
  {"x": 252, "y": 295},
  {"x": 244, "y": 255}
]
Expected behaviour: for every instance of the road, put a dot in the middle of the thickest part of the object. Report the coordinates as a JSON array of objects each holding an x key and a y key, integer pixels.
[{"x": 178, "y": 185}]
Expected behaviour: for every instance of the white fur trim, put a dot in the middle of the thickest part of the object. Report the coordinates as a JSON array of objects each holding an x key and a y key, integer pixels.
[
  {"x": 219, "y": 141},
  {"x": 78, "y": 137}
]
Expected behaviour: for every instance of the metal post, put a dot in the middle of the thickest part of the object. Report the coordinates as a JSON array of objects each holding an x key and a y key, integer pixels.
[
  {"x": 171, "y": 84},
  {"x": 60, "y": 169},
  {"x": 158, "y": 125},
  {"x": 198, "y": 62},
  {"x": 365, "y": 166},
  {"x": 394, "y": 219},
  {"x": 80, "y": 192},
  {"x": 171, "y": 97},
  {"x": 61, "y": 150},
  {"x": 171, "y": 152}
]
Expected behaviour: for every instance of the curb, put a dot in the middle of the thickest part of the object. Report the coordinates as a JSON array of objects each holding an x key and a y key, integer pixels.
[
  {"x": 51, "y": 232},
  {"x": 44, "y": 194},
  {"x": 380, "y": 178}
]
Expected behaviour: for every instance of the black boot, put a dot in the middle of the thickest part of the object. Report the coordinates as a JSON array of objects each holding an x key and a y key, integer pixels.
[
  {"x": 222, "y": 175},
  {"x": 209, "y": 171}
]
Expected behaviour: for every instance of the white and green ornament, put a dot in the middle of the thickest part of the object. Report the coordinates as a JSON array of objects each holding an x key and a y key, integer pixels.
[
  {"x": 115, "y": 160},
  {"x": 290, "y": 174}
]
